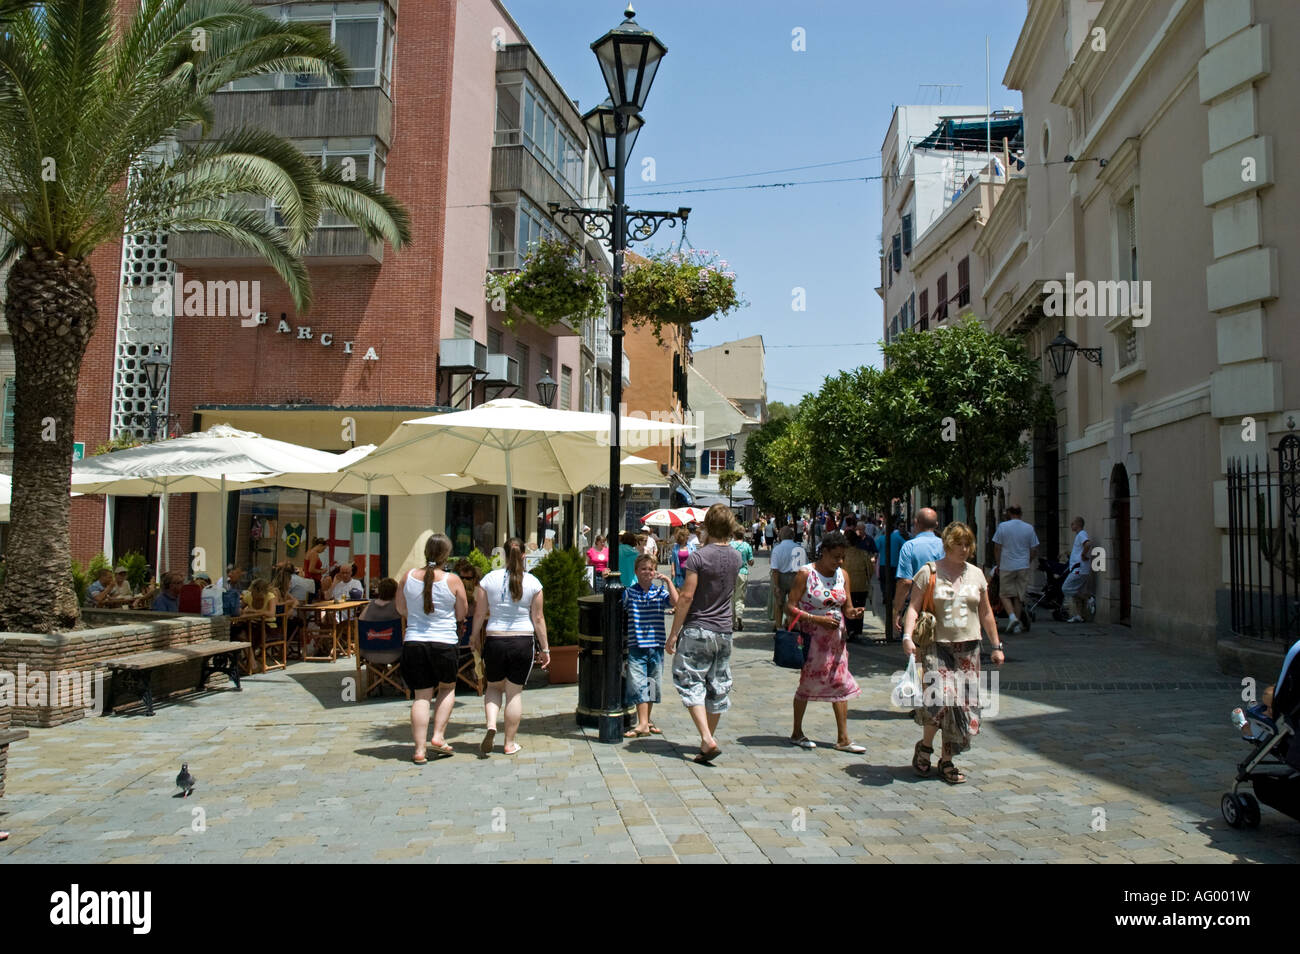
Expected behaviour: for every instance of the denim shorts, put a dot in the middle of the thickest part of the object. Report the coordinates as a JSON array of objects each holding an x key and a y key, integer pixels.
[
  {"x": 702, "y": 668},
  {"x": 644, "y": 665}
]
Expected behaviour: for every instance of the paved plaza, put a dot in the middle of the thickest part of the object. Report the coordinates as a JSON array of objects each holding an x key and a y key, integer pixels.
[{"x": 1105, "y": 748}]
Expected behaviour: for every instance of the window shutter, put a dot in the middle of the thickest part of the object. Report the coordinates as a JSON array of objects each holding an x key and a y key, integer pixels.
[
  {"x": 941, "y": 298},
  {"x": 925, "y": 309},
  {"x": 704, "y": 463},
  {"x": 898, "y": 252},
  {"x": 907, "y": 235},
  {"x": 7, "y": 429},
  {"x": 963, "y": 282}
]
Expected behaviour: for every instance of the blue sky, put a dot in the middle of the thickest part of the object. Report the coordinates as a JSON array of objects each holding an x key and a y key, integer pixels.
[{"x": 732, "y": 97}]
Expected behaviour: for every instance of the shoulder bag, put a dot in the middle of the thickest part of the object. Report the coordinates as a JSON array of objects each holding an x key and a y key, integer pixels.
[
  {"x": 923, "y": 634},
  {"x": 788, "y": 649}
]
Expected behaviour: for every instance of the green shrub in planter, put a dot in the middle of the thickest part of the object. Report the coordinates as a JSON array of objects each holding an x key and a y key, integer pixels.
[
  {"x": 481, "y": 562},
  {"x": 563, "y": 575},
  {"x": 137, "y": 569}
]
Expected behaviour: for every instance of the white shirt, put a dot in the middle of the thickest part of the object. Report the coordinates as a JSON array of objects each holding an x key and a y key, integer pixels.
[
  {"x": 438, "y": 626},
  {"x": 505, "y": 615},
  {"x": 352, "y": 589},
  {"x": 693, "y": 542},
  {"x": 788, "y": 556},
  {"x": 1017, "y": 538},
  {"x": 301, "y": 587},
  {"x": 1076, "y": 553}
]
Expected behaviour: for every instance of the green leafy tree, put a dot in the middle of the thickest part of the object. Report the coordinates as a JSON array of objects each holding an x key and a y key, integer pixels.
[
  {"x": 960, "y": 399},
  {"x": 95, "y": 106},
  {"x": 763, "y": 480},
  {"x": 727, "y": 481},
  {"x": 798, "y": 482},
  {"x": 780, "y": 411}
]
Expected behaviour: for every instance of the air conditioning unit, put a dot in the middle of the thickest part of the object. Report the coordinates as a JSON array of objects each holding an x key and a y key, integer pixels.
[
  {"x": 502, "y": 369},
  {"x": 462, "y": 354}
]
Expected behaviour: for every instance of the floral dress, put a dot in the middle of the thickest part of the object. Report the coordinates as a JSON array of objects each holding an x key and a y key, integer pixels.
[{"x": 825, "y": 676}]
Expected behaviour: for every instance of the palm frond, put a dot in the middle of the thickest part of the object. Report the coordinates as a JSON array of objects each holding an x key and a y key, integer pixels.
[{"x": 380, "y": 217}]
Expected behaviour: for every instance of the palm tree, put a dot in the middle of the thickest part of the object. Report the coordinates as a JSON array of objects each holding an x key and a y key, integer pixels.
[{"x": 94, "y": 109}]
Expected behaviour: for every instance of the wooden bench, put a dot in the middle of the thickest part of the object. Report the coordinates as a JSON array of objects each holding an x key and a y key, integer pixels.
[{"x": 137, "y": 668}]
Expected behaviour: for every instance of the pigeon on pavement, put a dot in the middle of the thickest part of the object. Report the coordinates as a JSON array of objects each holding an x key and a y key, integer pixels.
[{"x": 185, "y": 781}]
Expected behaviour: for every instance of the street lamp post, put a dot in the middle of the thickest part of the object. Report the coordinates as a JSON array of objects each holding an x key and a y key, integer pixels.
[
  {"x": 731, "y": 464},
  {"x": 629, "y": 58},
  {"x": 156, "y": 370},
  {"x": 546, "y": 390}
]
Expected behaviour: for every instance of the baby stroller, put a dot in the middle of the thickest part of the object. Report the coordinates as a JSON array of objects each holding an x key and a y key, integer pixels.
[
  {"x": 1052, "y": 598},
  {"x": 1273, "y": 766}
]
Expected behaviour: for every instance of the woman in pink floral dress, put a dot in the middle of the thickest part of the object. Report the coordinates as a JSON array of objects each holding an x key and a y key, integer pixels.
[{"x": 819, "y": 603}]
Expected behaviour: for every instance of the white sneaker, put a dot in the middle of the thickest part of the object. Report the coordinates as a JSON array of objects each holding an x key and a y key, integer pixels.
[
  {"x": 1015, "y": 626},
  {"x": 1075, "y": 619}
]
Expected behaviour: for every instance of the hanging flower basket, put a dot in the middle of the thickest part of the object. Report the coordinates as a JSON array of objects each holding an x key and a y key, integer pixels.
[
  {"x": 554, "y": 285},
  {"x": 678, "y": 288}
]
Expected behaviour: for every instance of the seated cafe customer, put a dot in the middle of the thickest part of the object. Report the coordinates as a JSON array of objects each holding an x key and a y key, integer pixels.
[
  {"x": 385, "y": 607},
  {"x": 168, "y": 599},
  {"x": 121, "y": 588},
  {"x": 101, "y": 589},
  {"x": 345, "y": 587}
]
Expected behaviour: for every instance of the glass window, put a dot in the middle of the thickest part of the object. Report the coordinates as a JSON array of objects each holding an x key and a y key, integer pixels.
[
  {"x": 503, "y": 237},
  {"x": 471, "y": 522},
  {"x": 364, "y": 31},
  {"x": 494, "y": 341},
  {"x": 507, "y": 128},
  {"x": 359, "y": 41},
  {"x": 717, "y": 461},
  {"x": 278, "y": 523}
]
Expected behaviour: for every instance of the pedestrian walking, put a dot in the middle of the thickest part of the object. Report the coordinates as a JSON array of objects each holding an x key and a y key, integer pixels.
[
  {"x": 787, "y": 557},
  {"x": 741, "y": 546},
  {"x": 859, "y": 564},
  {"x": 921, "y": 549},
  {"x": 680, "y": 551},
  {"x": 433, "y": 602},
  {"x": 598, "y": 560},
  {"x": 819, "y": 603},
  {"x": 646, "y": 601},
  {"x": 1015, "y": 549},
  {"x": 769, "y": 532},
  {"x": 702, "y": 624},
  {"x": 1078, "y": 582},
  {"x": 958, "y": 593},
  {"x": 888, "y": 546},
  {"x": 510, "y": 635}
]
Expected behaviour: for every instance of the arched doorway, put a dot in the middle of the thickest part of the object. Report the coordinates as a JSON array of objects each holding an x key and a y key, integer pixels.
[{"x": 1119, "y": 512}]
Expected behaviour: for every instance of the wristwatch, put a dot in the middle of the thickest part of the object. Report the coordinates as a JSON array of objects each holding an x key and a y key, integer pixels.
[{"x": 1000, "y": 647}]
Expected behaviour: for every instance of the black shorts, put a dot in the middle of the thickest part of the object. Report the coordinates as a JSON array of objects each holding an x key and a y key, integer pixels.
[
  {"x": 508, "y": 657},
  {"x": 428, "y": 665}
]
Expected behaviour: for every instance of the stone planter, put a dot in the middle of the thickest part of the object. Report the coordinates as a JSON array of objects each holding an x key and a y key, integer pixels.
[
  {"x": 7, "y": 735},
  {"x": 49, "y": 680}
]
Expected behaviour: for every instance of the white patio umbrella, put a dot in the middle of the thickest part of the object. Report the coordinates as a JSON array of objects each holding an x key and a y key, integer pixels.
[
  {"x": 6, "y": 489},
  {"x": 218, "y": 459},
  {"x": 362, "y": 479},
  {"x": 548, "y": 450}
]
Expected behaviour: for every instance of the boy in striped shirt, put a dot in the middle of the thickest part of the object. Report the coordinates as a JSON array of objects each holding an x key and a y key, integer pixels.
[{"x": 646, "y": 602}]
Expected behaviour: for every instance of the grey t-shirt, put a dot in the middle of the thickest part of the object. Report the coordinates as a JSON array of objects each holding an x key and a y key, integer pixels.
[{"x": 717, "y": 566}]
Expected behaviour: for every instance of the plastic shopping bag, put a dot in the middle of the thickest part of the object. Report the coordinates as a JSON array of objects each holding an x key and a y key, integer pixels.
[{"x": 907, "y": 690}]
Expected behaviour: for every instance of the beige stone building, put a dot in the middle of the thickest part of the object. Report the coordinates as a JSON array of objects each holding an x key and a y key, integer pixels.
[{"x": 1152, "y": 222}]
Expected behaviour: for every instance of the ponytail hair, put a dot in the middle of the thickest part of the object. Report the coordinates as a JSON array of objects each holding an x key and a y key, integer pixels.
[
  {"x": 436, "y": 550},
  {"x": 515, "y": 567}
]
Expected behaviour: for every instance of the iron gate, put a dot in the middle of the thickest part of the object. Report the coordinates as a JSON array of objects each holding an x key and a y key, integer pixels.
[{"x": 1264, "y": 544}]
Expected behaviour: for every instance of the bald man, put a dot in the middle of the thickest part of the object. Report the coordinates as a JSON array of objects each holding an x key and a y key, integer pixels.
[{"x": 923, "y": 547}]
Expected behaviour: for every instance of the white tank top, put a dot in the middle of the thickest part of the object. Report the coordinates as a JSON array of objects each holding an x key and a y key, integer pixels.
[
  {"x": 440, "y": 625},
  {"x": 505, "y": 615}
]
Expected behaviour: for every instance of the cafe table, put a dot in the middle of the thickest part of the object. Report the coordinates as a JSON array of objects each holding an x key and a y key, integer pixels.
[{"x": 339, "y": 619}]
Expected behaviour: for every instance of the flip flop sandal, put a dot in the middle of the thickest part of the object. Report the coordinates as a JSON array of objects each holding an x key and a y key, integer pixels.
[
  {"x": 655, "y": 730},
  {"x": 851, "y": 747},
  {"x": 485, "y": 747},
  {"x": 949, "y": 773},
  {"x": 444, "y": 749},
  {"x": 921, "y": 768},
  {"x": 706, "y": 758},
  {"x": 420, "y": 760},
  {"x": 634, "y": 734},
  {"x": 514, "y": 751}
]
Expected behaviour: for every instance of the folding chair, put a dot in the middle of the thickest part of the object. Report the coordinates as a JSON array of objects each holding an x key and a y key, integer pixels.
[
  {"x": 379, "y": 650},
  {"x": 273, "y": 640},
  {"x": 465, "y": 659}
]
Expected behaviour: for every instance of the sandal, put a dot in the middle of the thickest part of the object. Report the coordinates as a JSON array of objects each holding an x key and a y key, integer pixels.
[
  {"x": 443, "y": 749},
  {"x": 851, "y": 747},
  {"x": 706, "y": 758},
  {"x": 949, "y": 773},
  {"x": 485, "y": 747},
  {"x": 655, "y": 730},
  {"x": 420, "y": 760},
  {"x": 634, "y": 734},
  {"x": 804, "y": 742},
  {"x": 514, "y": 751},
  {"x": 921, "y": 766}
]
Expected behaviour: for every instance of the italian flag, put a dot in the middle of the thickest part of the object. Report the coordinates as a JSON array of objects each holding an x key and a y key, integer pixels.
[{"x": 360, "y": 538}]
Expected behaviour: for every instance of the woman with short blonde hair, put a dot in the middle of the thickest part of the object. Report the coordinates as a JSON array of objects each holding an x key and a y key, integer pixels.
[{"x": 959, "y": 595}]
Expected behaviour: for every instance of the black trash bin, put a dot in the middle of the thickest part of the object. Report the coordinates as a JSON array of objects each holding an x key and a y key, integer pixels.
[{"x": 591, "y": 669}]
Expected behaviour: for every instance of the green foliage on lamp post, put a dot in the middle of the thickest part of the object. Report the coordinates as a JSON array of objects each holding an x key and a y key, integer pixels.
[
  {"x": 727, "y": 480},
  {"x": 554, "y": 285},
  {"x": 678, "y": 288}
]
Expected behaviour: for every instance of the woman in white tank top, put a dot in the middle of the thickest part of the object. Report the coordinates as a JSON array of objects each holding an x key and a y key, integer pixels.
[
  {"x": 510, "y": 634},
  {"x": 432, "y": 601}
]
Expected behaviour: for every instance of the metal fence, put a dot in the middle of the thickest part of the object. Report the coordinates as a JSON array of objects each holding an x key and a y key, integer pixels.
[{"x": 1264, "y": 543}]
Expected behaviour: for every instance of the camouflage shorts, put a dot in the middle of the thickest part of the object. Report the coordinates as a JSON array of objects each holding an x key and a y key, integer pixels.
[{"x": 702, "y": 668}]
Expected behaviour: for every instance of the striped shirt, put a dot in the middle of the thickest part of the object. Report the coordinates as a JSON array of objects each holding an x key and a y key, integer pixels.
[{"x": 645, "y": 615}]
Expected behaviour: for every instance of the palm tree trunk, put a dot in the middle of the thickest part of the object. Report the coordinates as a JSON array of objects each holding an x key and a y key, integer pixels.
[{"x": 51, "y": 313}]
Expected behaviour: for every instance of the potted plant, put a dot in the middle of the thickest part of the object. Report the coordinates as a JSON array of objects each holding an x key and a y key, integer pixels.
[
  {"x": 563, "y": 577},
  {"x": 554, "y": 285},
  {"x": 680, "y": 287}
]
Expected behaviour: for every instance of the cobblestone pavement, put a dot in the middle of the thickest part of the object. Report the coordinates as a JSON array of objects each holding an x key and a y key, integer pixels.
[{"x": 1094, "y": 725}]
